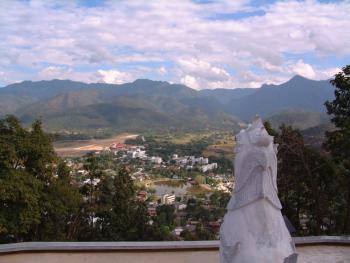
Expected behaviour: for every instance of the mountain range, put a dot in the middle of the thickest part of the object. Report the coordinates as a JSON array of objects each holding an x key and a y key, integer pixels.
[{"x": 147, "y": 105}]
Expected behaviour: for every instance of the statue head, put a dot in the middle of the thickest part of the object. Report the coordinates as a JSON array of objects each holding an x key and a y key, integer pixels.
[
  {"x": 255, "y": 166},
  {"x": 254, "y": 135}
]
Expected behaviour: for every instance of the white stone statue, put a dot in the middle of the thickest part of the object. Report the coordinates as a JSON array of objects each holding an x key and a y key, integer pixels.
[{"x": 254, "y": 230}]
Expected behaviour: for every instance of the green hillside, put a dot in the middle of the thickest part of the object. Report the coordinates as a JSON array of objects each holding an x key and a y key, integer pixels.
[
  {"x": 65, "y": 105},
  {"x": 298, "y": 118}
]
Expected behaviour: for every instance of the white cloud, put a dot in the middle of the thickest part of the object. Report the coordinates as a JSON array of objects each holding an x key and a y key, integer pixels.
[
  {"x": 36, "y": 33},
  {"x": 312, "y": 72},
  {"x": 190, "y": 81},
  {"x": 327, "y": 73},
  {"x": 203, "y": 69},
  {"x": 303, "y": 69},
  {"x": 57, "y": 72},
  {"x": 104, "y": 76},
  {"x": 53, "y": 72},
  {"x": 162, "y": 70},
  {"x": 113, "y": 76},
  {"x": 199, "y": 74}
]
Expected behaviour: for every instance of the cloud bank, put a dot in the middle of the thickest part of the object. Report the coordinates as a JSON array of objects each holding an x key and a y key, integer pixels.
[{"x": 224, "y": 44}]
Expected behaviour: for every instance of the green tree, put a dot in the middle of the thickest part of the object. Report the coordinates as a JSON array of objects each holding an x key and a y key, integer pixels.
[
  {"x": 87, "y": 229},
  {"x": 94, "y": 169},
  {"x": 34, "y": 204},
  {"x": 269, "y": 129},
  {"x": 63, "y": 171},
  {"x": 39, "y": 157},
  {"x": 117, "y": 214},
  {"x": 219, "y": 199},
  {"x": 291, "y": 174},
  {"x": 187, "y": 236},
  {"x": 19, "y": 205},
  {"x": 200, "y": 179},
  {"x": 324, "y": 202},
  {"x": 124, "y": 206},
  {"x": 203, "y": 233},
  {"x": 19, "y": 189},
  {"x": 338, "y": 141},
  {"x": 59, "y": 200},
  {"x": 308, "y": 185},
  {"x": 165, "y": 215},
  {"x": 61, "y": 203}
]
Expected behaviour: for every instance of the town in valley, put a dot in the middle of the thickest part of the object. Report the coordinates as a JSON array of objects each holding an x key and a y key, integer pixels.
[{"x": 189, "y": 187}]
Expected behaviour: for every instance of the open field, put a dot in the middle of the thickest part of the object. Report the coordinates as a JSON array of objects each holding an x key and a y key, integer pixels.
[
  {"x": 222, "y": 143},
  {"x": 188, "y": 137},
  {"x": 79, "y": 148},
  {"x": 220, "y": 150},
  {"x": 181, "y": 138},
  {"x": 199, "y": 189}
]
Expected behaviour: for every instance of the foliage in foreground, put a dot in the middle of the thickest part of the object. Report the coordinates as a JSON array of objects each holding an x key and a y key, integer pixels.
[
  {"x": 40, "y": 201},
  {"x": 309, "y": 184}
]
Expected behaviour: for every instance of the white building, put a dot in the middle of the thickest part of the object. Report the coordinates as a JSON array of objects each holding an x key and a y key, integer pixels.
[
  {"x": 221, "y": 187},
  {"x": 82, "y": 172},
  {"x": 181, "y": 207},
  {"x": 200, "y": 160},
  {"x": 94, "y": 182},
  {"x": 192, "y": 160},
  {"x": 182, "y": 161},
  {"x": 208, "y": 167},
  {"x": 178, "y": 230},
  {"x": 138, "y": 153},
  {"x": 168, "y": 199},
  {"x": 156, "y": 160}
]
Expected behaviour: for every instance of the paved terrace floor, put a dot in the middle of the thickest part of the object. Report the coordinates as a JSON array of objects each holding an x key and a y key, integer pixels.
[{"x": 310, "y": 249}]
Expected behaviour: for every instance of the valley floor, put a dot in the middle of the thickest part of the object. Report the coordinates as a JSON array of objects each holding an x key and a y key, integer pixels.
[{"x": 81, "y": 147}]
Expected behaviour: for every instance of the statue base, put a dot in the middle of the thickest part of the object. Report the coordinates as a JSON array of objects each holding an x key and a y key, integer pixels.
[{"x": 256, "y": 233}]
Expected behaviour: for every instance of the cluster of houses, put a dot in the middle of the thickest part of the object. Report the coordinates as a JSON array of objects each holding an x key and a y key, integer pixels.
[
  {"x": 166, "y": 199},
  {"x": 192, "y": 160},
  {"x": 189, "y": 162},
  {"x": 224, "y": 187},
  {"x": 134, "y": 152},
  {"x": 208, "y": 167},
  {"x": 139, "y": 152},
  {"x": 180, "y": 213},
  {"x": 126, "y": 153}
]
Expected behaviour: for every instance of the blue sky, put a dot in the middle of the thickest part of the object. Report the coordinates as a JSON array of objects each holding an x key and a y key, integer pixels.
[{"x": 202, "y": 44}]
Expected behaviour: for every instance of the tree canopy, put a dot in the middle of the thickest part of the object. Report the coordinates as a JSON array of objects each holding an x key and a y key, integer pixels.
[
  {"x": 40, "y": 201},
  {"x": 338, "y": 141}
]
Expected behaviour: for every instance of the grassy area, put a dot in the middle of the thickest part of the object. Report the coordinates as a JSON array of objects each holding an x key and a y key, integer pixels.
[
  {"x": 198, "y": 190},
  {"x": 220, "y": 150},
  {"x": 162, "y": 181},
  {"x": 180, "y": 138},
  {"x": 170, "y": 182},
  {"x": 222, "y": 145},
  {"x": 188, "y": 137}
]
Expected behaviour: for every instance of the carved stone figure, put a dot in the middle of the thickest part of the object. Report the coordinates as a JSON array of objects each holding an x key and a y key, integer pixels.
[{"x": 253, "y": 230}]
